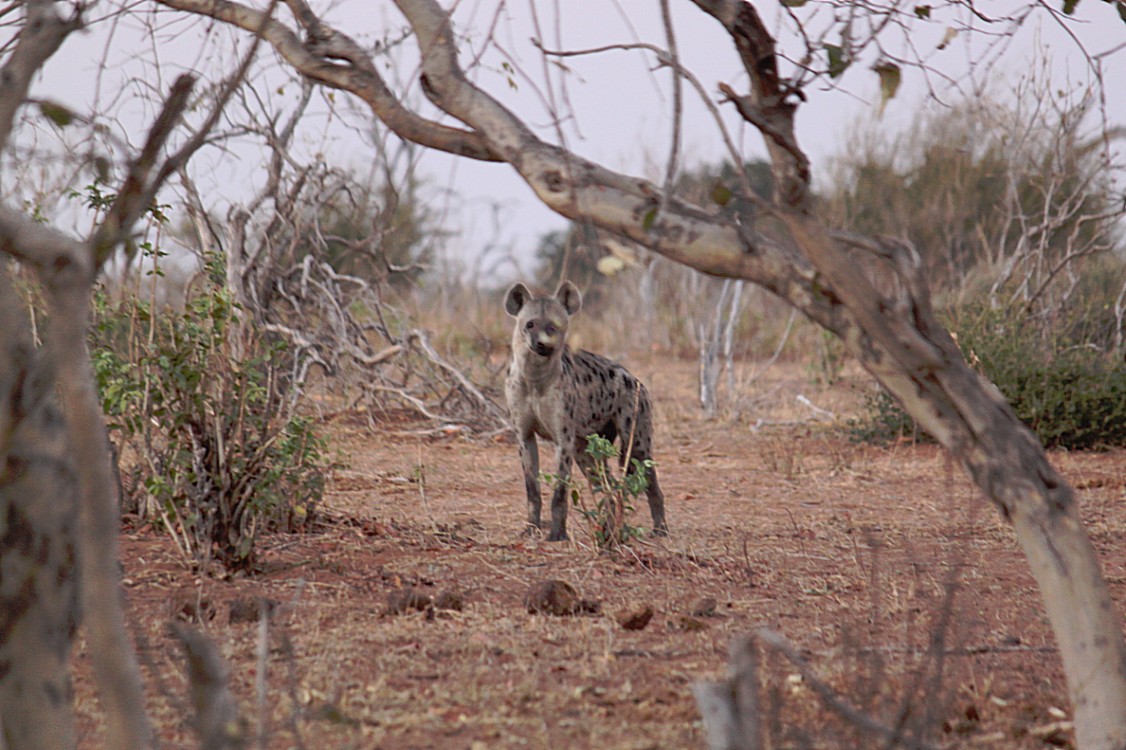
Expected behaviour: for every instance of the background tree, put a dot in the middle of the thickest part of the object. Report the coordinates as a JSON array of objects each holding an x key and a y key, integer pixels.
[
  {"x": 1008, "y": 197},
  {"x": 1014, "y": 198}
]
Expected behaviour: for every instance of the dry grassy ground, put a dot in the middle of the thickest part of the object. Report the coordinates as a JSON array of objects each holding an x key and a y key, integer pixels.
[{"x": 901, "y": 588}]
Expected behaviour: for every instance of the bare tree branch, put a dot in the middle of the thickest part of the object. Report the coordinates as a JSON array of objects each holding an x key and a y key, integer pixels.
[
  {"x": 769, "y": 106},
  {"x": 332, "y": 58},
  {"x": 217, "y": 719},
  {"x": 40, "y": 37},
  {"x": 136, "y": 193},
  {"x": 835, "y": 703}
]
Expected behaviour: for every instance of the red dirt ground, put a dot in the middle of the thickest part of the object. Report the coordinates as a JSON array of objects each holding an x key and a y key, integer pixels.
[{"x": 900, "y": 587}]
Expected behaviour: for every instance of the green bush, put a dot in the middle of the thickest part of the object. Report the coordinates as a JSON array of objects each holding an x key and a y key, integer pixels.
[
  {"x": 211, "y": 450},
  {"x": 1057, "y": 376},
  {"x": 614, "y": 496}
]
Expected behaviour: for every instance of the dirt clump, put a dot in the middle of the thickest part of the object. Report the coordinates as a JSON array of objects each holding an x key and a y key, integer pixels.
[
  {"x": 557, "y": 598},
  {"x": 634, "y": 617}
]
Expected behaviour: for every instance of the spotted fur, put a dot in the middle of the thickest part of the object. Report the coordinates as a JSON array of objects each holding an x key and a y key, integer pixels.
[{"x": 563, "y": 396}]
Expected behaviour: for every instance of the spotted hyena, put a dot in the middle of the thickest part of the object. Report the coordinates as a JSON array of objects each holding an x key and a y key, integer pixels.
[{"x": 564, "y": 396}]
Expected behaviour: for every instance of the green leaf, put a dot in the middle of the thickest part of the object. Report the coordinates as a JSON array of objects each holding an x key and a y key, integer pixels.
[
  {"x": 794, "y": 3},
  {"x": 923, "y": 11},
  {"x": 649, "y": 218},
  {"x": 56, "y": 113},
  {"x": 721, "y": 194},
  {"x": 890, "y": 78},
  {"x": 838, "y": 60},
  {"x": 1069, "y": 6}
]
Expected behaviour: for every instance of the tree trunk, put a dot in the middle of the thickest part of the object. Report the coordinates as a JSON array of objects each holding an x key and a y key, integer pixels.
[
  {"x": 38, "y": 571},
  {"x": 918, "y": 362}
]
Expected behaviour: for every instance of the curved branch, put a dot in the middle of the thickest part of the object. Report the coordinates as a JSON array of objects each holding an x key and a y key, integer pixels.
[
  {"x": 333, "y": 59},
  {"x": 768, "y": 107},
  {"x": 894, "y": 334},
  {"x": 39, "y": 38}
]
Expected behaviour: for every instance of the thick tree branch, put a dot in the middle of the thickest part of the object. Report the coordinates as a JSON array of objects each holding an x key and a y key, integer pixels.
[
  {"x": 333, "y": 59},
  {"x": 67, "y": 269},
  {"x": 39, "y": 584},
  {"x": 771, "y": 104},
  {"x": 40, "y": 37}
]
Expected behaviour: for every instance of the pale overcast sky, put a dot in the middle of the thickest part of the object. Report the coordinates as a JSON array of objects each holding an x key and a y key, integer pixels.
[{"x": 618, "y": 107}]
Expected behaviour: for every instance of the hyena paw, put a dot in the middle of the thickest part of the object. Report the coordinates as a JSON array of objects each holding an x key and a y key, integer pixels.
[{"x": 557, "y": 535}]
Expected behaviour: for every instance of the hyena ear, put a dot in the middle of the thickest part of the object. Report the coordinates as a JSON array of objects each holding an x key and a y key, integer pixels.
[
  {"x": 516, "y": 298},
  {"x": 569, "y": 296}
]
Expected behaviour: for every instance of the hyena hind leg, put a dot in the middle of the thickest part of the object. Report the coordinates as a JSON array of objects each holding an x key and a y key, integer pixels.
[{"x": 656, "y": 504}]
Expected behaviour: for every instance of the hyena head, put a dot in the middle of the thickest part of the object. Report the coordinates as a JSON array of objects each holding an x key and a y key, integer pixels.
[{"x": 541, "y": 322}]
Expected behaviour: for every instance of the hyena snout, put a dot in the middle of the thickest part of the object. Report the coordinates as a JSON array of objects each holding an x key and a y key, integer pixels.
[{"x": 544, "y": 339}]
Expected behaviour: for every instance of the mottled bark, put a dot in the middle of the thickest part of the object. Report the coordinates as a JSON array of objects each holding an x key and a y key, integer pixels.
[{"x": 38, "y": 569}]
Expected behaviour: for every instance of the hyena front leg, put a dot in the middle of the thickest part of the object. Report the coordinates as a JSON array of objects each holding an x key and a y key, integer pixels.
[
  {"x": 530, "y": 460},
  {"x": 559, "y": 496}
]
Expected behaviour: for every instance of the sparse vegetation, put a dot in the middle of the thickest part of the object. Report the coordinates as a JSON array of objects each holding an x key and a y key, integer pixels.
[{"x": 1010, "y": 227}]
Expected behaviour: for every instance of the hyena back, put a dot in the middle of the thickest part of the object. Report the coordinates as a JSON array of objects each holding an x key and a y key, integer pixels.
[{"x": 565, "y": 396}]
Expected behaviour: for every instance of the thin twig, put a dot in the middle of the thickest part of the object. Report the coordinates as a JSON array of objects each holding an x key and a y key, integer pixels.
[{"x": 829, "y": 697}]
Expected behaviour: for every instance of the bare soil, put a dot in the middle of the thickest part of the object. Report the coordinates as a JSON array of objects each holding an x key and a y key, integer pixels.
[{"x": 902, "y": 590}]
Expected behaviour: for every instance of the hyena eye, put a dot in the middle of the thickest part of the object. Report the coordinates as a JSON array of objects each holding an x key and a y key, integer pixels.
[
  {"x": 530, "y": 325},
  {"x": 549, "y": 330}
]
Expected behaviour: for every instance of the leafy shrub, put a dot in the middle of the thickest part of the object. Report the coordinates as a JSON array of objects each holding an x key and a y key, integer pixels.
[
  {"x": 613, "y": 496},
  {"x": 1063, "y": 384},
  {"x": 214, "y": 454}
]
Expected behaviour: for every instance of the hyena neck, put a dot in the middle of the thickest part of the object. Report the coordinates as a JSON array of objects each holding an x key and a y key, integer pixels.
[{"x": 540, "y": 373}]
